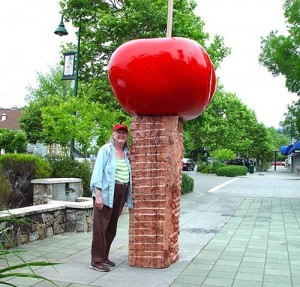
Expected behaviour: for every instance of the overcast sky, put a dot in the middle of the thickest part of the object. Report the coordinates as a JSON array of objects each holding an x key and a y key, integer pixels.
[
  {"x": 28, "y": 45},
  {"x": 242, "y": 24}
]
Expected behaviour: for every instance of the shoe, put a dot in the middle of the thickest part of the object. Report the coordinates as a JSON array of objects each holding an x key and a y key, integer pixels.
[
  {"x": 109, "y": 263},
  {"x": 99, "y": 267}
]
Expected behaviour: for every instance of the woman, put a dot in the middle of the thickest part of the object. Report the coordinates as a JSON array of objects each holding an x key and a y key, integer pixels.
[{"x": 111, "y": 188}]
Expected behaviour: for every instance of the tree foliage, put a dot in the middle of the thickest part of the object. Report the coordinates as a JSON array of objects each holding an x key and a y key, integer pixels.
[
  {"x": 291, "y": 123},
  {"x": 13, "y": 141},
  {"x": 90, "y": 122},
  {"x": 229, "y": 124},
  {"x": 51, "y": 91},
  {"x": 225, "y": 124},
  {"x": 224, "y": 154},
  {"x": 105, "y": 25},
  {"x": 280, "y": 53}
]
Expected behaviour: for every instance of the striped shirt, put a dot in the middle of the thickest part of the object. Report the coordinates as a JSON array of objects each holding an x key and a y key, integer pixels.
[{"x": 122, "y": 172}]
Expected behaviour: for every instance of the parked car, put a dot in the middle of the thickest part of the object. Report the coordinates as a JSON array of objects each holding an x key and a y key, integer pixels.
[
  {"x": 188, "y": 164},
  {"x": 279, "y": 163},
  {"x": 236, "y": 161}
]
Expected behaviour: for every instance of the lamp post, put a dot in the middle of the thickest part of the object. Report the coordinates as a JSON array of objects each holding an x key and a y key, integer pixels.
[
  {"x": 275, "y": 158},
  {"x": 70, "y": 75}
]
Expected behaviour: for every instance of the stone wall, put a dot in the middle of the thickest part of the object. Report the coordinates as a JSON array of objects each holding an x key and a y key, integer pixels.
[
  {"x": 156, "y": 153},
  {"x": 28, "y": 224},
  {"x": 64, "y": 189}
]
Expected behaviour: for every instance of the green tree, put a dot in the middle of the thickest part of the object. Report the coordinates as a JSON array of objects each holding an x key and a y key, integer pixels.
[
  {"x": 19, "y": 142},
  {"x": 105, "y": 25},
  {"x": 53, "y": 115},
  {"x": 261, "y": 147},
  {"x": 51, "y": 91},
  {"x": 278, "y": 138},
  {"x": 225, "y": 124},
  {"x": 224, "y": 154},
  {"x": 91, "y": 120},
  {"x": 13, "y": 141},
  {"x": 280, "y": 53},
  {"x": 291, "y": 123}
]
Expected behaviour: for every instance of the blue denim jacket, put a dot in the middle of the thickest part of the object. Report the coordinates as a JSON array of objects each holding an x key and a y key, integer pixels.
[{"x": 103, "y": 176}]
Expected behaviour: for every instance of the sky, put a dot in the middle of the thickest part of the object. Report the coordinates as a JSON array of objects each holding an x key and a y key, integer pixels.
[
  {"x": 29, "y": 45},
  {"x": 242, "y": 24}
]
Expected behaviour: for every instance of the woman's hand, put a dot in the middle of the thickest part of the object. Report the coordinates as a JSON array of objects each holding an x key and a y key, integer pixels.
[{"x": 99, "y": 202}]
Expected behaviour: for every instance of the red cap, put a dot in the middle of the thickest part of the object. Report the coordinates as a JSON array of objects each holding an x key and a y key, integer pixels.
[{"x": 119, "y": 127}]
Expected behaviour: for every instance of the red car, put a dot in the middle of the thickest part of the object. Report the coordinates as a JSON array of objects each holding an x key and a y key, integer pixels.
[{"x": 279, "y": 163}]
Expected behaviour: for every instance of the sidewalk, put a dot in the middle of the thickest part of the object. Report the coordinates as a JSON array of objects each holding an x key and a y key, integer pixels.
[{"x": 233, "y": 232}]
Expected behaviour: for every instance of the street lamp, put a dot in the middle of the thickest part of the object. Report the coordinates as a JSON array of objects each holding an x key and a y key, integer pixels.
[
  {"x": 61, "y": 30},
  {"x": 275, "y": 158},
  {"x": 69, "y": 73}
]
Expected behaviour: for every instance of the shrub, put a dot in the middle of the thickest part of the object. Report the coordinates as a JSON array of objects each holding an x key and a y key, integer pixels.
[
  {"x": 5, "y": 191},
  {"x": 232, "y": 170},
  {"x": 187, "y": 184},
  {"x": 200, "y": 166},
  {"x": 209, "y": 168},
  {"x": 20, "y": 169},
  {"x": 218, "y": 164},
  {"x": 68, "y": 167},
  {"x": 262, "y": 167}
]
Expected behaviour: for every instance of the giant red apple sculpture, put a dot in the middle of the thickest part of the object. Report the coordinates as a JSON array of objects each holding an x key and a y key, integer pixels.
[{"x": 162, "y": 76}]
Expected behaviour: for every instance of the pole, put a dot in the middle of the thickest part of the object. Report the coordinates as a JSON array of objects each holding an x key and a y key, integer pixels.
[
  {"x": 275, "y": 159},
  {"x": 77, "y": 62},
  {"x": 72, "y": 150},
  {"x": 170, "y": 16}
]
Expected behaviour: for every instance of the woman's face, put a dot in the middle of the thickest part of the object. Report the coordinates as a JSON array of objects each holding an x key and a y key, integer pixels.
[{"x": 120, "y": 136}]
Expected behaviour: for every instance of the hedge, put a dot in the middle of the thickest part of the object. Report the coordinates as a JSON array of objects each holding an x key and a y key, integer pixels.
[
  {"x": 232, "y": 170},
  {"x": 187, "y": 184},
  {"x": 17, "y": 171}
]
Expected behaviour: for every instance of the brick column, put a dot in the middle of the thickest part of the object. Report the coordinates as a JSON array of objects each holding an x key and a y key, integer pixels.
[{"x": 157, "y": 148}]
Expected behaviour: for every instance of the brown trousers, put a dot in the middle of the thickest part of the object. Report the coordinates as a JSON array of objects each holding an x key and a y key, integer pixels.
[{"x": 105, "y": 223}]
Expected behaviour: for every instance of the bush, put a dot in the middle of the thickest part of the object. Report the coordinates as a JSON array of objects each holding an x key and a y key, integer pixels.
[
  {"x": 5, "y": 191},
  {"x": 204, "y": 167},
  {"x": 263, "y": 167},
  {"x": 68, "y": 167},
  {"x": 232, "y": 170},
  {"x": 20, "y": 169},
  {"x": 209, "y": 168},
  {"x": 217, "y": 165},
  {"x": 187, "y": 184},
  {"x": 201, "y": 166}
]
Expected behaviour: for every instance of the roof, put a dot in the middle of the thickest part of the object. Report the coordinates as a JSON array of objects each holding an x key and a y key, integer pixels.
[
  {"x": 295, "y": 148},
  {"x": 9, "y": 119},
  {"x": 285, "y": 150}
]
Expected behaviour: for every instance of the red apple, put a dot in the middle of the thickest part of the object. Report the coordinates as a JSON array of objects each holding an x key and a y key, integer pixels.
[
  {"x": 212, "y": 87},
  {"x": 162, "y": 76}
]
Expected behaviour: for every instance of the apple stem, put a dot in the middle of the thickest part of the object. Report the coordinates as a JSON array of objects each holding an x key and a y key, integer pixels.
[{"x": 170, "y": 16}]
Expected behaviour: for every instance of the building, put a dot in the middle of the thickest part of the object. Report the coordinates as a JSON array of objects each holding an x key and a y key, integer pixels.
[
  {"x": 9, "y": 119},
  {"x": 293, "y": 153}
]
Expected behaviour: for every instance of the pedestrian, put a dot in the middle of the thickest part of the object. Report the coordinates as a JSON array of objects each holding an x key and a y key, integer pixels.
[{"x": 111, "y": 189}]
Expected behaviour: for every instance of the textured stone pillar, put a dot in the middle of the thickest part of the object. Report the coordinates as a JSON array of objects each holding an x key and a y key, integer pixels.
[{"x": 157, "y": 147}]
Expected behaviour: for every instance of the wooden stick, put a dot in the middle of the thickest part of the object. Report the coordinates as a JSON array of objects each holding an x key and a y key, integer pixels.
[{"x": 170, "y": 16}]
